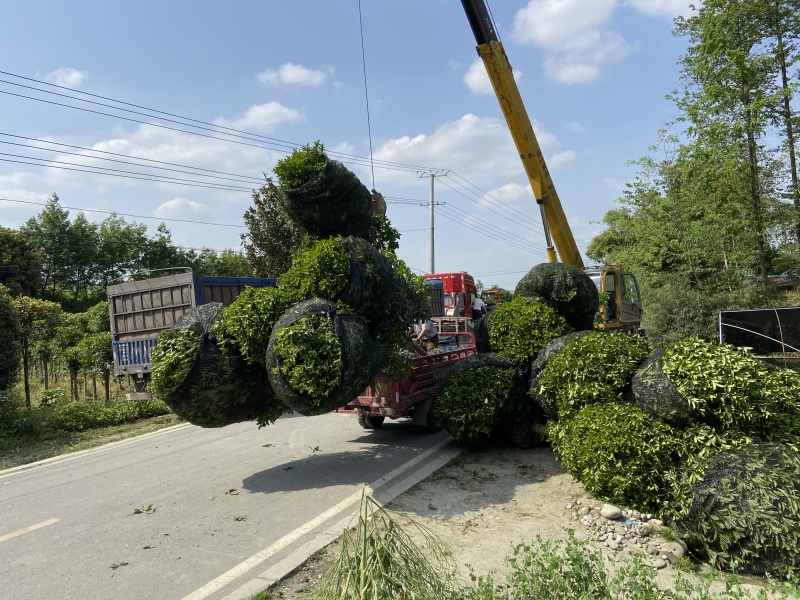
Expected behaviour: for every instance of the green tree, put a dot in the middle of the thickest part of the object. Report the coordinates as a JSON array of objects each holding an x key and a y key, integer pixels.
[
  {"x": 83, "y": 241},
  {"x": 48, "y": 234},
  {"x": 35, "y": 317},
  {"x": 20, "y": 265},
  {"x": 120, "y": 246},
  {"x": 161, "y": 253},
  {"x": 9, "y": 340},
  {"x": 228, "y": 263}
]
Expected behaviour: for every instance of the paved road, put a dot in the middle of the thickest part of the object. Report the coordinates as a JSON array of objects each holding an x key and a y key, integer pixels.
[{"x": 227, "y": 505}]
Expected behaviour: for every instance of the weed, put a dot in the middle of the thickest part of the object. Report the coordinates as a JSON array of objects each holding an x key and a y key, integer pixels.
[
  {"x": 145, "y": 510},
  {"x": 239, "y": 518},
  {"x": 232, "y": 492}
]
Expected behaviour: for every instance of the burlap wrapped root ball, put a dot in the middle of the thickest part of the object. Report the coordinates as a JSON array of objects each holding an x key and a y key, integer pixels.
[
  {"x": 592, "y": 369},
  {"x": 319, "y": 359},
  {"x": 322, "y": 195},
  {"x": 206, "y": 382},
  {"x": 618, "y": 453},
  {"x": 743, "y": 513},
  {"x": 566, "y": 288},
  {"x": 519, "y": 329},
  {"x": 728, "y": 389},
  {"x": 479, "y": 396}
]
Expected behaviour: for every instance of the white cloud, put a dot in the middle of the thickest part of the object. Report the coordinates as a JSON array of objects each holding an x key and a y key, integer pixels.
[
  {"x": 463, "y": 145},
  {"x": 178, "y": 208},
  {"x": 509, "y": 194},
  {"x": 478, "y": 81},
  {"x": 292, "y": 74},
  {"x": 343, "y": 148},
  {"x": 67, "y": 77},
  {"x": 262, "y": 117},
  {"x": 663, "y": 8},
  {"x": 574, "y": 34},
  {"x": 576, "y": 127}
]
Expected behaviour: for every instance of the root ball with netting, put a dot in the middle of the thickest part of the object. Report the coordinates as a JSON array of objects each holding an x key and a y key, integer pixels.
[
  {"x": 566, "y": 288},
  {"x": 519, "y": 329}
]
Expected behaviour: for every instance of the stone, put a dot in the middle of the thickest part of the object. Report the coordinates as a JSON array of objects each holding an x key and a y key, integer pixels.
[
  {"x": 610, "y": 512},
  {"x": 614, "y": 545},
  {"x": 658, "y": 563},
  {"x": 584, "y": 511},
  {"x": 676, "y": 549},
  {"x": 669, "y": 557},
  {"x": 651, "y": 550}
]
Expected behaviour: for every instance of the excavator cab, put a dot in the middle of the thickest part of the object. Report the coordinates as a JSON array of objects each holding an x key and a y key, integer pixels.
[{"x": 621, "y": 302}]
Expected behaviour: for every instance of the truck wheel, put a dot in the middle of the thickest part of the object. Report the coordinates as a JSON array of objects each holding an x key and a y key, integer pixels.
[
  {"x": 370, "y": 422},
  {"x": 432, "y": 423}
]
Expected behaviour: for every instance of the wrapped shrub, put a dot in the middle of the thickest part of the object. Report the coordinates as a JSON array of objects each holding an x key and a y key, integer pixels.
[
  {"x": 618, "y": 452},
  {"x": 655, "y": 394},
  {"x": 722, "y": 384},
  {"x": 744, "y": 513},
  {"x": 481, "y": 331},
  {"x": 552, "y": 348},
  {"x": 566, "y": 288},
  {"x": 519, "y": 329},
  {"x": 319, "y": 359},
  {"x": 479, "y": 392},
  {"x": 248, "y": 322},
  {"x": 322, "y": 195},
  {"x": 348, "y": 270},
  {"x": 207, "y": 383},
  {"x": 593, "y": 369}
]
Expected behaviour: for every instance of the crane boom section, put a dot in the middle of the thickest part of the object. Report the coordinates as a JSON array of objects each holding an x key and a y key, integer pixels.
[{"x": 507, "y": 92}]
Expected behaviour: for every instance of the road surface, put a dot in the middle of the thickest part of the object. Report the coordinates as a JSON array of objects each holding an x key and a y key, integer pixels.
[{"x": 189, "y": 513}]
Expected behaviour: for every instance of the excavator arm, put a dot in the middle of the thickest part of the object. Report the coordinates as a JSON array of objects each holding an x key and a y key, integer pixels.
[{"x": 490, "y": 49}]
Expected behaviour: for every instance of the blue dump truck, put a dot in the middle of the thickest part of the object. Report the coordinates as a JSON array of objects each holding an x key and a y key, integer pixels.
[{"x": 140, "y": 310}]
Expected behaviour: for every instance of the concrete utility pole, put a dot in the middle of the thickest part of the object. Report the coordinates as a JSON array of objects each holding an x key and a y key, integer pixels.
[{"x": 433, "y": 175}]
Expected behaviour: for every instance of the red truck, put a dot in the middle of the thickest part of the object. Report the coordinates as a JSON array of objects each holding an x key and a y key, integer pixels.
[{"x": 459, "y": 293}]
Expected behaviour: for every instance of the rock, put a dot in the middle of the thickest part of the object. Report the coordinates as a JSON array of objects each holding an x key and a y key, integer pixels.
[
  {"x": 651, "y": 550},
  {"x": 610, "y": 512},
  {"x": 655, "y": 523},
  {"x": 658, "y": 563},
  {"x": 614, "y": 545},
  {"x": 669, "y": 557},
  {"x": 676, "y": 549},
  {"x": 584, "y": 511}
]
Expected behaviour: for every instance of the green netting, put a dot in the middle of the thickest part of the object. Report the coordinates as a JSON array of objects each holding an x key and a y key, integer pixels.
[
  {"x": 745, "y": 513},
  {"x": 552, "y": 348},
  {"x": 218, "y": 388},
  {"x": 359, "y": 356},
  {"x": 564, "y": 287},
  {"x": 481, "y": 331},
  {"x": 481, "y": 396},
  {"x": 333, "y": 203},
  {"x": 656, "y": 395}
]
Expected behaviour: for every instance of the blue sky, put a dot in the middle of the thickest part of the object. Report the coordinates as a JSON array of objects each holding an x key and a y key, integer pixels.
[{"x": 593, "y": 75}]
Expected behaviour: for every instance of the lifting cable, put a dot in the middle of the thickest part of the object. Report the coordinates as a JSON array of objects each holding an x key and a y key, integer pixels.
[{"x": 366, "y": 92}]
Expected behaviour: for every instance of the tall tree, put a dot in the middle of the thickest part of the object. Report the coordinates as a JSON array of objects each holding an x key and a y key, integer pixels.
[
  {"x": 34, "y": 317},
  {"x": 20, "y": 265},
  {"x": 229, "y": 263},
  {"x": 728, "y": 89},
  {"x": 9, "y": 340},
  {"x": 48, "y": 234},
  {"x": 81, "y": 272},
  {"x": 120, "y": 246}
]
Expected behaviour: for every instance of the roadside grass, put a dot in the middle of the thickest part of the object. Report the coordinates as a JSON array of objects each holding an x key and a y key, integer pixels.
[{"x": 28, "y": 435}]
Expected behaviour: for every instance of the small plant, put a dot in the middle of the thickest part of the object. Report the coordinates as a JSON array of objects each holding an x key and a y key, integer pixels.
[
  {"x": 301, "y": 166},
  {"x": 232, "y": 492},
  {"x": 239, "y": 518},
  {"x": 145, "y": 510},
  {"x": 51, "y": 397}
]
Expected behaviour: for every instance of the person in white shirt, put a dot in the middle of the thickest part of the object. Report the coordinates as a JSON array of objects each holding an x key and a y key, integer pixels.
[
  {"x": 426, "y": 335},
  {"x": 478, "y": 308}
]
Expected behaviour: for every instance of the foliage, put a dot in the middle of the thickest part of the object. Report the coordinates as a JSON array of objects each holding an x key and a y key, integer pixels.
[
  {"x": 172, "y": 359},
  {"x": 382, "y": 235},
  {"x": 272, "y": 237},
  {"x": 9, "y": 341},
  {"x": 723, "y": 384},
  {"x": 51, "y": 397},
  {"x": 248, "y": 322},
  {"x": 564, "y": 287},
  {"x": 301, "y": 166},
  {"x": 618, "y": 452},
  {"x": 409, "y": 304},
  {"x": 474, "y": 397},
  {"x": 321, "y": 270},
  {"x": 379, "y": 560},
  {"x": 519, "y": 329},
  {"x": 80, "y": 416},
  {"x": 594, "y": 368},
  {"x": 21, "y": 264},
  {"x": 300, "y": 348},
  {"x": 743, "y": 515},
  {"x": 15, "y": 420}
]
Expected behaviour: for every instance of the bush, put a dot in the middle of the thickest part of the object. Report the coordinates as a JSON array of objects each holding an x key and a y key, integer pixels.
[
  {"x": 301, "y": 166},
  {"x": 519, "y": 329},
  {"x": 9, "y": 341},
  {"x": 81, "y": 416},
  {"x": 15, "y": 419},
  {"x": 722, "y": 384},
  {"x": 618, "y": 452},
  {"x": 247, "y": 323},
  {"x": 744, "y": 514},
  {"x": 50, "y": 397},
  {"x": 595, "y": 368},
  {"x": 566, "y": 288}
]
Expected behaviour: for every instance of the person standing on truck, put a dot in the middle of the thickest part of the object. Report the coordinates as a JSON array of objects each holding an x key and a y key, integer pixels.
[
  {"x": 478, "y": 308},
  {"x": 426, "y": 335}
]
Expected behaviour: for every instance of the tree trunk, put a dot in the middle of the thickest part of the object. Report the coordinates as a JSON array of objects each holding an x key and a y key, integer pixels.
[
  {"x": 94, "y": 386},
  {"x": 26, "y": 372},
  {"x": 787, "y": 119},
  {"x": 755, "y": 195},
  {"x": 85, "y": 396},
  {"x": 46, "y": 379},
  {"x": 107, "y": 382}
]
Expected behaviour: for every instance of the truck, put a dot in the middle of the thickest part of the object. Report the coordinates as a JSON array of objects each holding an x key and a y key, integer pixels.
[
  {"x": 621, "y": 308},
  {"x": 140, "y": 310}
]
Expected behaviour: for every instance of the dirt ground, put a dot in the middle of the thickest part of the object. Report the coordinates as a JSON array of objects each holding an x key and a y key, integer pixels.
[{"x": 481, "y": 505}]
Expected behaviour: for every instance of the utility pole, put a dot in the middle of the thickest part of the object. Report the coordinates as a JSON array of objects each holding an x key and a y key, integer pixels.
[{"x": 433, "y": 175}]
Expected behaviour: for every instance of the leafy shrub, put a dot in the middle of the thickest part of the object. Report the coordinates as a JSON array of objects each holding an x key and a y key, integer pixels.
[
  {"x": 301, "y": 166},
  {"x": 321, "y": 270},
  {"x": 15, "y": 420},
  {"x": 50, "y": 397},
  {"x": 247, "y": 323},
  {"x": 744, "y": 514},
  {"x": 722, "y": 384},
  {"x": 81, "y": 416},
  {"x": 595, "y": 368},
  {"x": 519, "y": 329},
  {"x": 618, "y": 452},
  {"x": 172, "y": 359},
  {"x": 566, "y": 288},
  {"x": 9, "y": 341},
  {"x": 298, "y": 349}
]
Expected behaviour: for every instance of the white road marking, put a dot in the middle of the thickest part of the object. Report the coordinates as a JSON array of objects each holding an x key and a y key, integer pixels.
[
  {"x": 261, "y": 556},
  {"x": 25, "y": 530}
]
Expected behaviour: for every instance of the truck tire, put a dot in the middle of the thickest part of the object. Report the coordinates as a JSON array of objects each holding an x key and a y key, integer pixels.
[
  {"x": 432, "y": 423},
  {"x": 370, "y": 422}
]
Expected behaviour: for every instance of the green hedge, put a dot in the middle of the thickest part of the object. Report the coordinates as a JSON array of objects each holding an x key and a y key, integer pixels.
[{"x": 519, "y": 329}]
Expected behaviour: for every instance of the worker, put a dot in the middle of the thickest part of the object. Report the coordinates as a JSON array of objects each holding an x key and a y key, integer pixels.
[
  {"x": 478, "y": 308},
  {"x": 426, "y": 335}
]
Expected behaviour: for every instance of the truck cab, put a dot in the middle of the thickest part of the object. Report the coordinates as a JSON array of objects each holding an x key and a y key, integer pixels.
[
  {"x": 622, "y": 309},
  {"x": 459, "y": 292}
]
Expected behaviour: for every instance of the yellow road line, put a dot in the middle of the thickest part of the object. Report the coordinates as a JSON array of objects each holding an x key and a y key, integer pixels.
[{"x": 24, "y": 530}]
